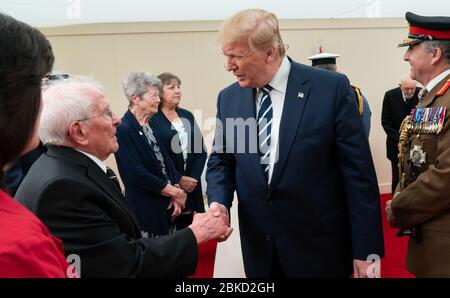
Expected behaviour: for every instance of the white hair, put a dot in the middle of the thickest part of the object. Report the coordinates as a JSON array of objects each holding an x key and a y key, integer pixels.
[
  {"x": 64, "y": 102},
  {"x": 137, "y": 83}
]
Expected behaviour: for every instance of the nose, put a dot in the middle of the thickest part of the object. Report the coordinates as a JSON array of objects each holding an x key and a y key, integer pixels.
[
  {"x": 229, "y": 64},
  {"x": 116, "y": 120},
  {"x": 406, "y": 55}
]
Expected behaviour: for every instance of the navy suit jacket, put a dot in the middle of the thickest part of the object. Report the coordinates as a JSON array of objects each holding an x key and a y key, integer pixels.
[
  {"x": 196, "y": 156},
  {"x": 142, "y": 177},
  {"x": 322, "y": 208}
]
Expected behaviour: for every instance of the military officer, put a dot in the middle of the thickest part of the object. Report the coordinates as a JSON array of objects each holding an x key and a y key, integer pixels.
[
  {"x": 421, "y": 204},
  {"x": 328, "y": 61}
]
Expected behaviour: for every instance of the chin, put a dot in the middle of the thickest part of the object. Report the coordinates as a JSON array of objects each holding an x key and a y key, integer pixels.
[{"x": 244, "y": 84}]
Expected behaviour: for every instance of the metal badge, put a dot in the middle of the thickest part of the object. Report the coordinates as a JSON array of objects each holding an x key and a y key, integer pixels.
[{"x": 417, "y": 156}]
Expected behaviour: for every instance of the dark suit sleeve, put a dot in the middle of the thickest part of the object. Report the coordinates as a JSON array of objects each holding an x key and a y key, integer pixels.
[
  {"x": 359, "y": 176},
  {"x": 14, "y": 176},
  {"x": 197, "y": 150},
  {"x": 220, "y": 174},
  {"x": 386, "y": 118},
  {"x": 131, "y": 160},
  {"x": 104, "y": 250}
]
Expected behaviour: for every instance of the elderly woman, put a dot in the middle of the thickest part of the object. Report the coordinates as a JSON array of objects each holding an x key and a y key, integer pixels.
[
  {"x": 27, "y": 249},
  {"x": 150, "y": 179},
  {"x": 184, "y": 143}
]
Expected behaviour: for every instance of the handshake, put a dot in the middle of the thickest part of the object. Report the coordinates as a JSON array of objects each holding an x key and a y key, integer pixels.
[{"x": 213, "y": 224}]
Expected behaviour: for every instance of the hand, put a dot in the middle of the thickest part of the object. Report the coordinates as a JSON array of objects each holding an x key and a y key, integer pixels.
[
  {"x": 390, "y": 215},
  {"x": 176, "y": 208},
  {"x": 363, "y": 269},
  {"x": 207, "y": 226},
  {"x": 175, "y": 193},
  {"x": 218, "y": 209},
  {"x": 188, "y": 184}
]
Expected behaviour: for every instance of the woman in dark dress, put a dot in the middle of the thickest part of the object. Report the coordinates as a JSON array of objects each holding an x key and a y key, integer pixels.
[
  {"x": 152, "y": 185},
  {"x": 183, "y": 141}
]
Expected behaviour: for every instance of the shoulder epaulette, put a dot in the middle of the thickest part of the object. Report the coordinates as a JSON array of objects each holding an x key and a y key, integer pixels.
[
  {"x": 444, "y": 88},
  {"x": 359, "y": 99}
]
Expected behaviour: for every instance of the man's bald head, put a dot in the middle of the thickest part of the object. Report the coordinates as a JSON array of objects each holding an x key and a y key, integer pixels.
[{"x": 408, "y": 86}]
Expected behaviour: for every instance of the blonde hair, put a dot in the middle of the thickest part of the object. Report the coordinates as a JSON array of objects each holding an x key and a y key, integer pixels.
[{"x": 257, "y": 27}]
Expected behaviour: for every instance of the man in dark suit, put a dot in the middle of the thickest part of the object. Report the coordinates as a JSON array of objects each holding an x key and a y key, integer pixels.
[
  {"x": 73, "y": 192},
  {"x": 397, "y": 104},
  {"x": 289, "y": 141}
]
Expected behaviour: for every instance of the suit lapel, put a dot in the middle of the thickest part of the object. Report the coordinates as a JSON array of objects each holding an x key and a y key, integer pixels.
[
  {"x": 246, "y": 109},
  {"x": 294, "y": 103},
  {"x": 96, "y": 174},
  {"x": 101, "y": 179}
]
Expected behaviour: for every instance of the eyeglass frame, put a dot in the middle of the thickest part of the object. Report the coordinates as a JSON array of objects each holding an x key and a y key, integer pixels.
[{"x": 108, "y": 112}]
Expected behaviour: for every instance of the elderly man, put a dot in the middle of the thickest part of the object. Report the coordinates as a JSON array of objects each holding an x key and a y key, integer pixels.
[
  {"x": 397, "y": 104},
  {"x": 70, "y": 191},
  {"x": 421, "y": 204},
  {"x": 289, "y": 141}
]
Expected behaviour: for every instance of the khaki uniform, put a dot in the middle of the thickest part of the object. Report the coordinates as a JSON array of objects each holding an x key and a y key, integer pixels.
[{"x": 424, "y": 199}]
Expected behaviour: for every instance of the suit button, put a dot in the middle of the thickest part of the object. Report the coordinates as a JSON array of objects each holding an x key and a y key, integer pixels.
[
  {"x": 268, "y": 237},
  {"x": 270, "y": 202}
]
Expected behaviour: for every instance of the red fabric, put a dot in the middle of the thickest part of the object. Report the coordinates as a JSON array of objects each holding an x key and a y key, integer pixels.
[
  {"x": 27, "y": 249},
  {"x": 393, "y": 264},
  {"x": 206, "y": 257},
  {"x": 442, "y": 34}
]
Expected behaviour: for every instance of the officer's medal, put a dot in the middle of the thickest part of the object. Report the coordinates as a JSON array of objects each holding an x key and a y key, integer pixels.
[{"x": 417, "y": 156}]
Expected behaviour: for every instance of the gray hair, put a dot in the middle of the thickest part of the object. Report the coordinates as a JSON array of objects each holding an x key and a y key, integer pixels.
[
  {"x": 257, "y": 27},
  {"x": 137, "y": 83},
  {"x": 444, "y": 45},
  {"x": 331, "y": 67},
  {"x": 66, "y": 101}
]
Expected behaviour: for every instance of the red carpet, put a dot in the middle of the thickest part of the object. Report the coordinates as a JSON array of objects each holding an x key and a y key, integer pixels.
[
  {"x": 392, "y": 266},
  {"x": 207, "y": 254}
]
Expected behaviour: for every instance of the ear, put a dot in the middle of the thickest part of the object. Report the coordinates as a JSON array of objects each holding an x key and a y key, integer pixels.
[
  {"x": 271, "y": 55},
  {"x": 437, "y": 54},
  {"x": 77, "y": 133},
  {"x": 134, "y": 99}
]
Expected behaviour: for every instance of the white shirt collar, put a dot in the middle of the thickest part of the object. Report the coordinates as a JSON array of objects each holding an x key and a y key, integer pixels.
[
  {"x": 95, "y": 159},
  {"x": 437, "y": 79},
  {"x": 280, "y": 80}
]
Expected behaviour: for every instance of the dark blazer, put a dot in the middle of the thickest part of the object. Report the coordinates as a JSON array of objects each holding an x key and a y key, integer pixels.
[
  {"x": 196, "y": 156},
  {"x": 84, "y": 208},
  {"x": 322, "y": 207},
  {"x": 142, "y": 177},
  {"x": 392, "y": 115}
]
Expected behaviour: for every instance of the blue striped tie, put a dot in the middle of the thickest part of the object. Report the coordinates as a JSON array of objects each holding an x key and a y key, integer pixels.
[{"x": 265, "y": 128}]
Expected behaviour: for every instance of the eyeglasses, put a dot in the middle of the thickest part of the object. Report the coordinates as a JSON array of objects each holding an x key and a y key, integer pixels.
[{"x": 106, "y": 113}]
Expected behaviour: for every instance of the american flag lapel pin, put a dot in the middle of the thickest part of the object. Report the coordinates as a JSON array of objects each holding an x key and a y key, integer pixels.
[{"x": 300, "y": 95}]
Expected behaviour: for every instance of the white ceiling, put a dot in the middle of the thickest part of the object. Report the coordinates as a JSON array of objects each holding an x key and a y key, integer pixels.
[{"x": 44, "y": 13}]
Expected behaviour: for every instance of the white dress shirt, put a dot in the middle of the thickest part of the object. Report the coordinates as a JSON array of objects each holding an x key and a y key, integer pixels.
[
  {"x": 279, "y": 85},
  {"x": 437, "y": 79}
]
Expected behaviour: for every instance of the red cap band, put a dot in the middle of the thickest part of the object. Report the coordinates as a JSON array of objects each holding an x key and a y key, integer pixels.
[{"x": 438, "y": 34}]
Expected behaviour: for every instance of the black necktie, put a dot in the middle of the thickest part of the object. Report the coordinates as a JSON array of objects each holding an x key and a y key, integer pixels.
[{"x": 113, "y": 177}]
